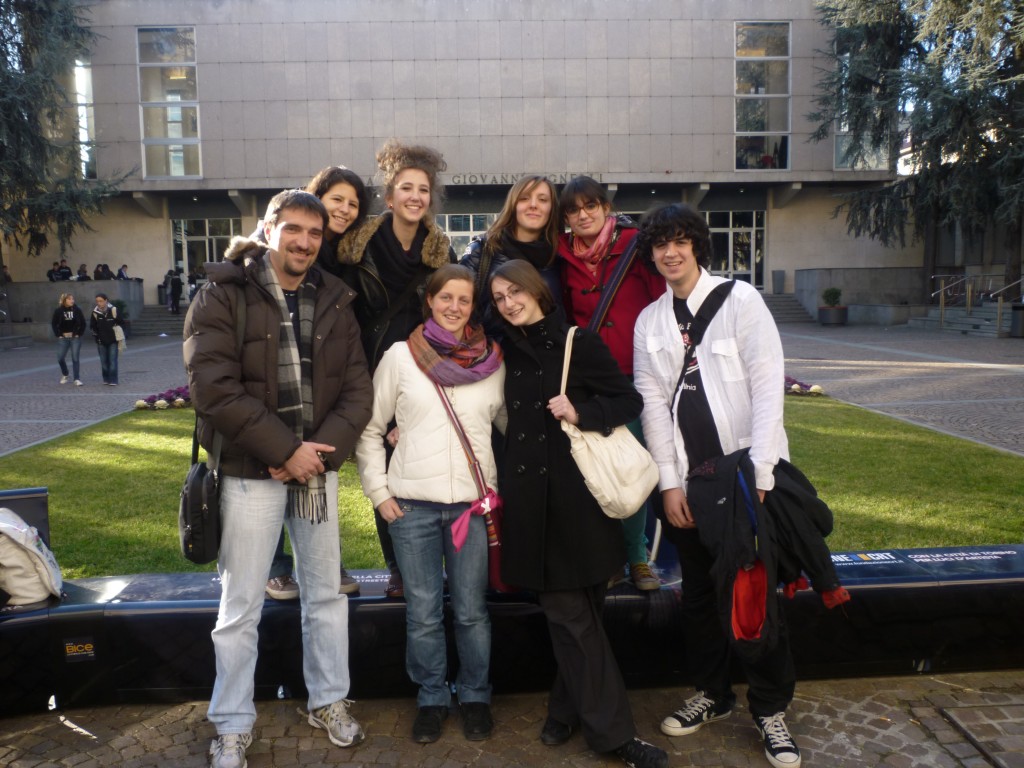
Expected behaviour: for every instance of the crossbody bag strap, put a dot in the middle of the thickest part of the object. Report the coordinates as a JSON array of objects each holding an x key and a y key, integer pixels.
[
  {"x": 702, "y": 320},
  {"x": 612, "y": 286},
  {"x": 568, "y": 356},
  {"x": 467, "y": 447},
  {"x": 213, "y": 457}
]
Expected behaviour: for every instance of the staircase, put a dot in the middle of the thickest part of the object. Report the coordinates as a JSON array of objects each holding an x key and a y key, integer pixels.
[
  {"x": 981, "y": 321},
  {"x": 155, "y": 320},
  {"x": 786, "y": 309}
]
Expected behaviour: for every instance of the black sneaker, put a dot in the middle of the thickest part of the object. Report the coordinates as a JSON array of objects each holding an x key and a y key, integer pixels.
[
  {"x": 779, "y": 747},
  {"x": 554, "y": 733},
  {"x": 693, "y": 715},
  {"x": 639, "y": 754},
  {"x": 477, "y": 722},
  {"x": 427, "y": 726}
]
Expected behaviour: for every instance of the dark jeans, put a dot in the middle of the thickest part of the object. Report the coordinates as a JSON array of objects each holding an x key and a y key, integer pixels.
[
  {"x": 588, "y": 689},
  {"x": 771, "y": 680},
  {"x": 108, "y": 361}
]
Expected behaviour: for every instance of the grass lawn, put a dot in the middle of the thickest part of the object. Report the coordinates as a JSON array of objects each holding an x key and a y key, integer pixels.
[{"x": 114, "y": 488}]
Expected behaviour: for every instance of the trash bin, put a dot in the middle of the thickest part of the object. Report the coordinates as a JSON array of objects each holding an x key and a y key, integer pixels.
[
  {"x": 778, "y": 281},
  {"x": 1017, "y": 321},
  {"x": 161, "y": 295}
]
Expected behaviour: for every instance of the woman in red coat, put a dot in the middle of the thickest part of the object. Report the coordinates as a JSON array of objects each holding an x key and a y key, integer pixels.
[{"x": 589, "y": 253}]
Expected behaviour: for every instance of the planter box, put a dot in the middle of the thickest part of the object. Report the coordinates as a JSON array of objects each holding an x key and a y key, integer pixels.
[{"x": 832, "y": 315}]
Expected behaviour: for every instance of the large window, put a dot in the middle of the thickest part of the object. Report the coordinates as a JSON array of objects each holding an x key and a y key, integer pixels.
[
  {"x": 762, "y": 95},
  {"x": 737, "y": 244},
  {"x": 169, "y": 102},
  {"x": 198, "y": 241},
  {"x": 463, "y": 227}
]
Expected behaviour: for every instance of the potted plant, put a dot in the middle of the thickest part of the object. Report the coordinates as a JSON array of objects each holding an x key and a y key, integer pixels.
[{"x": 832, "y": 313}]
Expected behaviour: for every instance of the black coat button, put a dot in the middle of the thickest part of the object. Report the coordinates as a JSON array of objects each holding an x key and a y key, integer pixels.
[
  {"x": 542, "y": 471},
  {"x": 549, "y": 344},
  {"x": 517, "y": 372},
  {"x": 520, "y": 470},
  {"x": 538, "y": 405},
  {"x": 541, "y": 437},
  {"x": 521, "y": 436},
  {"x": 515, "y": 405}
]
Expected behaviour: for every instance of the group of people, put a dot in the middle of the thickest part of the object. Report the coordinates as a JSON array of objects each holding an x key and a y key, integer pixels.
[
  {"x": 68, "y": 324},
  {"x": 60, "y": 271},
  {"x": 444, "y": 378}
]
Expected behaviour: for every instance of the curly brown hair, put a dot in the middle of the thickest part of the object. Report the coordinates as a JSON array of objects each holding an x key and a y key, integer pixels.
[{"x": 395, "y": 157}]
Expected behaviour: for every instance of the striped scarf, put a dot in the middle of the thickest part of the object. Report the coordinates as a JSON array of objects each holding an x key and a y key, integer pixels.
[
  {"x": 450, "y": 361},
  {"x": 295, "y": 384}
]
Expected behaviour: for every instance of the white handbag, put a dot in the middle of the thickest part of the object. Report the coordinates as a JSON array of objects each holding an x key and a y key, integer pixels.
[{"x": 618, "y": 470}]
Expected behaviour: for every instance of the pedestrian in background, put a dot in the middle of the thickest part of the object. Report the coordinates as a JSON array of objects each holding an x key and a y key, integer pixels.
[
  {"x": 102, "y": 322},
  {"x": 68, "y": 325}
]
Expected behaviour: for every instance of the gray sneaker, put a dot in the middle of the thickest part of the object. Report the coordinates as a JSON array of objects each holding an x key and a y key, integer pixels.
[
  {"x": 283, "y": 588},
  {"x": 228, "y": 750},
  {"x": 349, "y": 586},
  {"x": 342, "y": 729}
]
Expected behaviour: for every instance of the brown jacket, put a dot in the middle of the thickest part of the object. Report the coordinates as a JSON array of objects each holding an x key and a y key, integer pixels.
[{"x": 238, "y": 397}]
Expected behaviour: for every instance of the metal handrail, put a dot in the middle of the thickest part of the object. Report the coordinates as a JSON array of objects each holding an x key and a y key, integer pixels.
[
  {"x": 944, "y": 287},
  {"x": 1006, "y": 288}
]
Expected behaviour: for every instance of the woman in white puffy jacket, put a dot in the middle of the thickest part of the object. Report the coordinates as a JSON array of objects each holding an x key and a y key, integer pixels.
[{"x": 428, "y": 485}]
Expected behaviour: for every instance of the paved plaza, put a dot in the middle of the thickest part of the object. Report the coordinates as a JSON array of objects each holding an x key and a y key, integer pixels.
[{"x": 969, "y": 387}]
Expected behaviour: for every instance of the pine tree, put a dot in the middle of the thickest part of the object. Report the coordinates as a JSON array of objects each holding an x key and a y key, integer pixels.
[
  {"x": 41, "y": 187},
  {"x": 944, "y": 80}
]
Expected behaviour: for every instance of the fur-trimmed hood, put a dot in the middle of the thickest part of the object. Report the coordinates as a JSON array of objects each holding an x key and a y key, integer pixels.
[{"x": 352, "y": 245}]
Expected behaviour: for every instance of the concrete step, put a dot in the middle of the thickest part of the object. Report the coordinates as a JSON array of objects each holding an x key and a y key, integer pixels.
[
  {"x": 14, "y": 341},
  {"x": 967, "y": 326},
  {"x": 155, "y": 320},
  {"x": 786, "y": 309}
]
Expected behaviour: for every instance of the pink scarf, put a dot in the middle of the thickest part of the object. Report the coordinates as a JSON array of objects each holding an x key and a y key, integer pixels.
[{"x": 598, "y": 252}]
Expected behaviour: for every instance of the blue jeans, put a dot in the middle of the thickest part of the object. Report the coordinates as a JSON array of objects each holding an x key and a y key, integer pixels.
[
  {"x": 424, "y": 548},
  {"x": 252, "y": 512},
  {"x": 63, "y": 345},
  {"x": 108, "y": 361}
]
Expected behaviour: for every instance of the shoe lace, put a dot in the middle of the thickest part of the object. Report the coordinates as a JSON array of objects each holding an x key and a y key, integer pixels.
[
  {"x": 642, "y": 570},
  {"x": 337, "y": 713},
  {"x": 696, "y": 706},
  {"x": 774, "y": 727},
  {"x": 230, "y": 742}
]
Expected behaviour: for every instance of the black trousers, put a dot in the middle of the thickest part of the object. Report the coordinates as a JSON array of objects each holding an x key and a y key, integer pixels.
[
  {"x": 588, "y": 689},
  {"x": 771, "y": 679}
]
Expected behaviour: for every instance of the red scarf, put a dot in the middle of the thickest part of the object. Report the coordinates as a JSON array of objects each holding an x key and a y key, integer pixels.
[{"x": 598, "y": 252}]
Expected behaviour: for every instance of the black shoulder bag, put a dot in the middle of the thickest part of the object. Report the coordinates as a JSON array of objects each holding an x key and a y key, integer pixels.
[{"x": 199, "y": 506}]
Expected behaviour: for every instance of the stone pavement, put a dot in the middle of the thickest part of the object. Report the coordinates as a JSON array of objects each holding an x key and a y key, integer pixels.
[{"x": 969, "y": 387}]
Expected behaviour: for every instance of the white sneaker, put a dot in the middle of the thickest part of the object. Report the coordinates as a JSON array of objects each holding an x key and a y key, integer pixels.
[
  {"x": 228, "y": 750},
  {"x": 63, "y": 379},
  {"x": 78, "y": 382},
  {"x": 779, "y": 747},
  {"x": 342, "y": 729}
]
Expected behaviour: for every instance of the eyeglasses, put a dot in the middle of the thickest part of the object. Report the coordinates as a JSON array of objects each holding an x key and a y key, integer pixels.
[
  {"x": 590, "y": 207},
  {"x": 511, "y": 295}
]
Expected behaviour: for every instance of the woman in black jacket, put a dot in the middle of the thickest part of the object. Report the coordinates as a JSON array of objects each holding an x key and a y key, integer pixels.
[
  {"x": 68, "y": 326},
  {"x": 555, "y": 538}
]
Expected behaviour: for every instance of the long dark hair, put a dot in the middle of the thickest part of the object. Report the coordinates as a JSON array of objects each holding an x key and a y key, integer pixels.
[{"x": 339, "y": 174}]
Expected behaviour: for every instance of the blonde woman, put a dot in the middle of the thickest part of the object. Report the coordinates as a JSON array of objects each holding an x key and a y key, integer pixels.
[{"x": 68, "y": 325}]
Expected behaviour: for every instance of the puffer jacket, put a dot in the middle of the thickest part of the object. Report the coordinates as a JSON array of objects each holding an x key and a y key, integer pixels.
[
  {"x": 238, "y": 397},
  {"x": 362, "y": 258},
  {"x": 429, "y": 463}
]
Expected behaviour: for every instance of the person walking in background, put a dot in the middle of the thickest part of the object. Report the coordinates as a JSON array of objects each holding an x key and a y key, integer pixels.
[
  {"x": 388, "y": 262},
  {"x": 555, "y": 538},
  {"x": 175, "y": 292},
  {"x": 428, "y": 485},
  {"x": 102, "y": 321},
  {"x": 344, "y": 196},
  {"x": 702, "y": 402},
  {"x": 527, "y": 228},
  {"x": 68, "y": 325},
  {"x": 590, "y": 252},
  {"x": 290, "y": 407}
]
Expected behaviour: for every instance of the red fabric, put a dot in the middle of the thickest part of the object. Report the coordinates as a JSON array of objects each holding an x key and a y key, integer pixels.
[
  {"x": 790, "y": 590},
  {"x": 749, "y": 600},
  {"x": 492, "y": 520},
  {"x": 835, "y": 597},
  {"x": 639, "y": 288}
]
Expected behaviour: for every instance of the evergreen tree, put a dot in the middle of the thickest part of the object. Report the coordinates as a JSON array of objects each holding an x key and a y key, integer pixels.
[
  {"x": 944, "y": 80},
  {"x": 41, "y": 187}
]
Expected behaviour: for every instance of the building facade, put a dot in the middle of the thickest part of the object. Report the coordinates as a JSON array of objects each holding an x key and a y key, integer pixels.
[{"x": 215, "y": 105}]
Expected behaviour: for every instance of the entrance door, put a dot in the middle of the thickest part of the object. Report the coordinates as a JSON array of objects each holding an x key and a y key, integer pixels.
[{"x": 737, "y": 242}]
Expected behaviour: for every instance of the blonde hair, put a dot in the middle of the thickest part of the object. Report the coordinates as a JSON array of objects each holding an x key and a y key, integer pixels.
[
  {"x": 395, "y": 157},
  {"x": 64, "y": 297}
]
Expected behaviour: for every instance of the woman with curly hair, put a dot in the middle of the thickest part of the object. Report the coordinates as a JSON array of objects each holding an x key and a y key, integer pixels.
[{"x": 388, "y": 261}]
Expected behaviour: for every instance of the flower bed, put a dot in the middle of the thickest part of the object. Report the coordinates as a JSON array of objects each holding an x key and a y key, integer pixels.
[
  {"x": 172, "y": 398},
  {"x": 794, "y": 387}
]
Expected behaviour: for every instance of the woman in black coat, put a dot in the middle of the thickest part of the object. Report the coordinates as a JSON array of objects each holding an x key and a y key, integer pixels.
[{"x": 555, "y": 538}]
